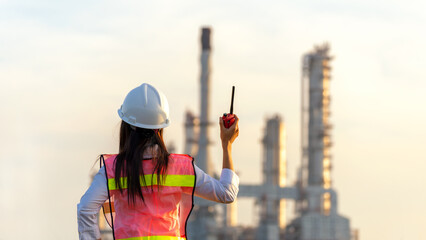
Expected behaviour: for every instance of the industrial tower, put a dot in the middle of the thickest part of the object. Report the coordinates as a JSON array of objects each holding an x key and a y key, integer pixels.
[
  {"x": 272, "y": 217},
  {"x": 317, "y": 206},
  {"x": 203, "y": 222}
]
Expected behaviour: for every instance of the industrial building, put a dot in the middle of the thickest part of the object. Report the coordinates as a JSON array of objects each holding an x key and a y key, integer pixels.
[{"x": 317, "y": 217}]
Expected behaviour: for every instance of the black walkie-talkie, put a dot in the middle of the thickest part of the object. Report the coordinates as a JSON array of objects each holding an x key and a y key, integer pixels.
[{"x": 229, "y": 118}]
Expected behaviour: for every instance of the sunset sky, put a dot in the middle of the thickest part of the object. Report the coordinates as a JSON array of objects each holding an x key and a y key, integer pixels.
[{"x": 65, "y": 68}]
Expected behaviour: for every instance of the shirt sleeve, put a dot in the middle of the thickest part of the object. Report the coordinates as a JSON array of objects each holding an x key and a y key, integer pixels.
[
  {"x": 89, "y": 206},
  {"x": 224, "y": 190}
]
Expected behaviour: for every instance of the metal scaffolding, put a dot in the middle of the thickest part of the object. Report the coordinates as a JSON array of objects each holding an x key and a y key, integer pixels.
[{"x": 318, "y": 218}]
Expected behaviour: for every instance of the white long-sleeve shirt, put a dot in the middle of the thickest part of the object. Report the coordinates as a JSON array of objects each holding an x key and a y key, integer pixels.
[{"x": 224, "y": 190}]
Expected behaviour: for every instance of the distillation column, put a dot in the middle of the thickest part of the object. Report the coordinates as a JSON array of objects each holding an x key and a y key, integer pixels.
[
  {"x": 203, "y": 156},
  {"x": 319, "y": 218},
  {"x": 316, "y": 140},
  {"x": 273, "y": 209},
  {"x": 203, "y": 224}
]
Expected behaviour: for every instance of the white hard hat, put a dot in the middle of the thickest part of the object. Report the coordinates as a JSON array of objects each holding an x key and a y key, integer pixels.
[{"x": 145, "y": 107}]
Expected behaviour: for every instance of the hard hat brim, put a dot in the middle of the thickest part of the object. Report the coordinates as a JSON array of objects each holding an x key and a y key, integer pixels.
[{"x": 140, "y": 125}]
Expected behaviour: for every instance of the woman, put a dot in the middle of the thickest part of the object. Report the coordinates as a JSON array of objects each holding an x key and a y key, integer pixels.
[{"x": 152, "y": 190}]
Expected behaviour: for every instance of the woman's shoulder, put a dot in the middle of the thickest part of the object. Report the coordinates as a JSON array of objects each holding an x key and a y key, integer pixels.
[
  {"x": 175, "y": 157},
  {"x": 108, "y": 157},
  {"x": 179, "y": 155},
  {"x": 108, "y": 160}
]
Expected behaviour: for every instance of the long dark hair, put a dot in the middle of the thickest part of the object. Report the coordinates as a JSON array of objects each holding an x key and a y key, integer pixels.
[{"x": 128, "y": 163}]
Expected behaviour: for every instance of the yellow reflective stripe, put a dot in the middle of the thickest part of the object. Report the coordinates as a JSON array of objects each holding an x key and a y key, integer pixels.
[
  {"x": 151, "y": 179},
  {"x": 153, "y": 238}
]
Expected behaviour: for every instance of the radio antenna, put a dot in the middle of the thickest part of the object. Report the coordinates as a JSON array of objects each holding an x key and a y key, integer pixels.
[{"x": 232, "y": 100}]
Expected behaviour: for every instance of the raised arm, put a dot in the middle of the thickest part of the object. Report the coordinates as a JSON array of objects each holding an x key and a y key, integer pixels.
[
  {"x": 224, "y": 190},
  {"x": 227, "y": 136}
]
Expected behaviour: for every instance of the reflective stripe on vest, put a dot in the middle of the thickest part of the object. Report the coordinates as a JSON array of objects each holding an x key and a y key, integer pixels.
[
  {"x": 154, "y": 238},
  {"x": 151, "y": 179},
  {"x": 164, "y": 212}
]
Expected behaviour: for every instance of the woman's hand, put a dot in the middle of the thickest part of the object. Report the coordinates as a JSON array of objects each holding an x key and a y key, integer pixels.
[{"x": 228, "y": 135}]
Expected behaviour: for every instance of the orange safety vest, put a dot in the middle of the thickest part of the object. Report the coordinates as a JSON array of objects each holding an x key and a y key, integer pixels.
[{"x": 165, "y": 212}]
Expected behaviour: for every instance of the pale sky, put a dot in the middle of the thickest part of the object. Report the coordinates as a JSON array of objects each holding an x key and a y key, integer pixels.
[{"x": 65, "y": 68}]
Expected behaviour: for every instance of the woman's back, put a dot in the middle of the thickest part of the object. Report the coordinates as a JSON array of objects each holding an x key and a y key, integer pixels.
[{"x": 165, "y": 207}]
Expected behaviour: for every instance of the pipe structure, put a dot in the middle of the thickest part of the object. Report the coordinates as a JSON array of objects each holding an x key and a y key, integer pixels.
[
  {"x": 316, "y": 139},
  {"x": 317, "y": 206},
  {"x": 272, "y": 207},
  {"x": 203, "y": 218},
  {"x": 191, "y": 133},
  {"x": 203, "y": 156}
]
